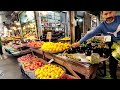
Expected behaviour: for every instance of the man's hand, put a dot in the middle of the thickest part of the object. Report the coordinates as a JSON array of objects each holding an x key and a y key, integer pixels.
[{"x": 76, "y": 44}]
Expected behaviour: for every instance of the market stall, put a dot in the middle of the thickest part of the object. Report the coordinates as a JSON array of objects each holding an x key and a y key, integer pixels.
[
  {"x": 16, "y": 48},
  {"x": 51, "y": 21},
  {"x": 84, "y": 60},
  {"x": 86, "y": 69},
  {"x": 81, "y": 60},
  {"x": 37, "y": 68},
  {"x": 28, "y": 25},
  {"x": 14, "y": 33}
]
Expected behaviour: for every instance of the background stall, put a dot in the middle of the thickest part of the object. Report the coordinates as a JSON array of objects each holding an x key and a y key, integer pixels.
[
  {"x": 52, "y": 21},
  {"x": 28, "y": 24}
]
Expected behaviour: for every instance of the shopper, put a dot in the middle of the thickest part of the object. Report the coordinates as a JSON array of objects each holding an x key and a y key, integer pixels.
[
  {"x": 77, "y": 31},
  {"x": 1, "y": 50},
  {"x": 110, "y": 26}
]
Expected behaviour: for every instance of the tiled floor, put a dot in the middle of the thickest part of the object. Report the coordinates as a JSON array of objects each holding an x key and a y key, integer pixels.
[
  {"x": 108, "y": 74},
  {"x": 9, "y": 69}
]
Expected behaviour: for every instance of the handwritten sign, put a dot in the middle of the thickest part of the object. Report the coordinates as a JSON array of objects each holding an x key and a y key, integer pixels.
[
  {"x": 51, "y": 60},
  {"x": 107, "y": 38}
]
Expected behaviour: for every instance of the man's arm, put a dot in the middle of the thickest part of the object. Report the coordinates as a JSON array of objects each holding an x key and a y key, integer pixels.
[{"x": 88, "y": 36}]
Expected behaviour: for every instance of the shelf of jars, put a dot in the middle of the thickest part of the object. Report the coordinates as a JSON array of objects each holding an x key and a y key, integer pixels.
[{"x": 51, "y": 22}]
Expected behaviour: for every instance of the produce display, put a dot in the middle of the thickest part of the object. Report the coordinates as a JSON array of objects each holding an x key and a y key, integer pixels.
[
  {"x": 11, "y": 49},
  {"x": 35, "y": 44},
  {"x": 116, "y": 50},
  {"x": 94, "y": 58},
  {"x": 95, "y": 40},
  {"x": 65, "y": 38},
  {"x": 12, "y": 38},
  {"x": 32, "y": 65},
  {"x": 30, "y": 62},
  {"x": 16, "y": 37},
  {"x": 25, "y": 58},
  {"x": 30, "y": 37},
  {"x": 55, "y": 47},
  {"x": 49, "y": 71},
  {"x": 72, "y": 56},
  {"x": 29, "y": 29}
]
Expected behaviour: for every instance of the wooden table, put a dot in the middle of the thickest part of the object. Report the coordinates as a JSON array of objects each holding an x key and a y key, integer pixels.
[{"x": 88, "y": 70}]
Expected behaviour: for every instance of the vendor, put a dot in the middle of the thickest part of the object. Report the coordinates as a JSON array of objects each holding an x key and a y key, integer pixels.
[{"x": 110, "y": 26}]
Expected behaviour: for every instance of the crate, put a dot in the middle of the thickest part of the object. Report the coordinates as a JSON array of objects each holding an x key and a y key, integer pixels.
[{"x": 69, "y": 77}]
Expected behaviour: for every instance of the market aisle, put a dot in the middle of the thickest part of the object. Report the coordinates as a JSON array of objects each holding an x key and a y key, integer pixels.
[{"x": 9, "y": 69}]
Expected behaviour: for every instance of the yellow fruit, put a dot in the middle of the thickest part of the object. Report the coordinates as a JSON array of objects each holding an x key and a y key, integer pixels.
[
  {"x": 88, "y": 58},
  {"x": 56, "y": 76},
  {"x": 62, "y": 72},
  {"x": 55, "y": 47},
  {"x": 49, "y": 71}
]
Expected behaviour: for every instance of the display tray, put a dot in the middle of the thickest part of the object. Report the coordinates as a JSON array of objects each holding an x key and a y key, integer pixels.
[
  {"x": 8, "y": 51},
  {"x": 29, "y": 75},
  {"x": 58, "y": 66},
  {"x": 82, "y": 58},
  {"x": 21, "y": 52},
  {"x": 54, "y": 52},
  {"x": 22, "y": 63},
  {"x": 30, "y": 70}
]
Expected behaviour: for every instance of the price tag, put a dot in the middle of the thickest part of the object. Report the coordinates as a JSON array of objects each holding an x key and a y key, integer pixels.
[
  {"x": 49, "y": 36},
  {"x": 51, "y": 60},
  {"x": 107, "y": 38}
]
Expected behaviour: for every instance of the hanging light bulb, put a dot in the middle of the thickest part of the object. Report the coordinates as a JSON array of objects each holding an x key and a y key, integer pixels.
[
  {"x": 10, "y": 30},
  {"x": 17, "y": 23},
  {"x": 19, "y": 28},
  {"x": 14, "y": 28}
]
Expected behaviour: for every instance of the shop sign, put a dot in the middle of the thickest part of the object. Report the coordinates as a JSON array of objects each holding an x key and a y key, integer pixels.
[{"x": 49, "y": 36}]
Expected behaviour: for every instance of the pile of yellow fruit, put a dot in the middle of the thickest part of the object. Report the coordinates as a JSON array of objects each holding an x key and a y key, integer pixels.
[
  {"x": 65, "y": 38},
  {"x": 49, "y": 71},
  {"x": 9, "y": 38},
  {"x": 55, "y": 47}
]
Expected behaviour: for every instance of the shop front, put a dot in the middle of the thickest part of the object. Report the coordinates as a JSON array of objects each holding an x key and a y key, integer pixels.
[
  {"x": 54, "y": 22},
  {"x": 28, "y": 24}
]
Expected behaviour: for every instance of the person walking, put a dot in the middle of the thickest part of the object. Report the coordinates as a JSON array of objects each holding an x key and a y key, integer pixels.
[
  {"x": 2, "y": 56},
  {"x": 1, "y": 51}
]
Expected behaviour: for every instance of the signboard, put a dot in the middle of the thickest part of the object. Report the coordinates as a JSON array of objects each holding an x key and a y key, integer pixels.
[
  {"x": 107, "y": 38},
  {"x": 49, "y": 36}
]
